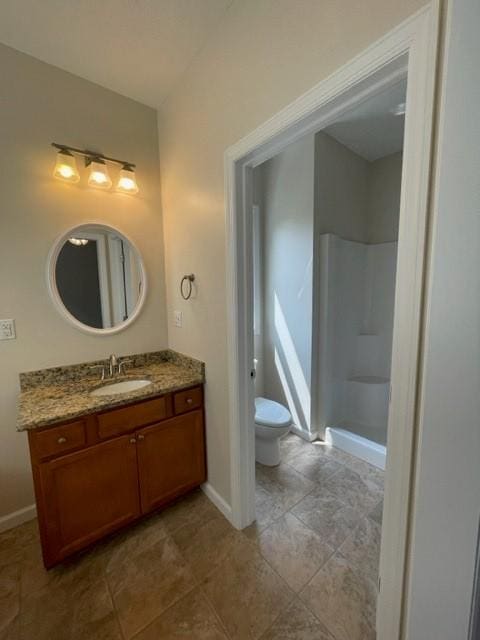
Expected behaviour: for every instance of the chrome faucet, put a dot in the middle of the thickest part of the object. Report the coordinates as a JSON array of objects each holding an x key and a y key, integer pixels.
[
  {"x": 112, "y": 365},
  {"x": 115, "y": 366}
]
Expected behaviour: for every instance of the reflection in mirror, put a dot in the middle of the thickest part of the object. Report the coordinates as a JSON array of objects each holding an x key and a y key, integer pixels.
[{"x": 98, "y": 276}]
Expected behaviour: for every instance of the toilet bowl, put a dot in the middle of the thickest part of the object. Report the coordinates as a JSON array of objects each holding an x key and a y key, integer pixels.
[{"x": 272, "y": 421}]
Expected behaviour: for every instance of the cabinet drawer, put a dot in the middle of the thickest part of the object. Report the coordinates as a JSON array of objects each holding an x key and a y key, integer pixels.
[
  {"x": 118, "y": 421},
  {"x": 57, "y": 440},
  {"x": 187, "y": 400}
]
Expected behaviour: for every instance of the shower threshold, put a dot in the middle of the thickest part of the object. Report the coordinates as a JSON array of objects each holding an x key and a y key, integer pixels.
[{"x": 358, "y": 445}]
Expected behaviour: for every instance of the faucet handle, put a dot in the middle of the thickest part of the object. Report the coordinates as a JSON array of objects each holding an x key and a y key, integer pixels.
[
  {"x": 99, "y": 366},
  {"x": 122, "y": 363}
]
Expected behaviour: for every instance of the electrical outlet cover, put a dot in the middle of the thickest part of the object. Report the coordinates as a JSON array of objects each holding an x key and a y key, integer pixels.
[
  {"x": 7, "y": 329},
  {"x": 177, "y": 318}
]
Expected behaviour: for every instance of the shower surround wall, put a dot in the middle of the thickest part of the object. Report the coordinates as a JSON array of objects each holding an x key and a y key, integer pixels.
[{"x": 357, "y": 302}]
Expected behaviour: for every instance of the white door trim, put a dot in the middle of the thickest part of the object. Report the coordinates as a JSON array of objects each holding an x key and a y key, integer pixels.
[
  {"x": 103, "y": 279},
  {"x": 382, "y": 63}
]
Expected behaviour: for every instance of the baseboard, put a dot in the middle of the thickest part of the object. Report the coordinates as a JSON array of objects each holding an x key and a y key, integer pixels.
[
  {"x": 217, "y": 500},
  {"x": 305, "y": 435},
  {"x": 12, "y": 520}
]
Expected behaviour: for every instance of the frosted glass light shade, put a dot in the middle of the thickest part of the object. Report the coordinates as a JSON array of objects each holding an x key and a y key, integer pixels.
[
  {"x": 99, "y": 177},
  {"x": 66, "y": 167},
  {"x": 126, "y": 181}
]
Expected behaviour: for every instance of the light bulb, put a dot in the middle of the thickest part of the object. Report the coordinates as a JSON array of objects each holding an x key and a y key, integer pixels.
[
  {"x": 78, "y": 242},
  {"x": 99, "y": 177},
  {"x": 126, "y": 181},
  {"x": 66, "y": 167}
]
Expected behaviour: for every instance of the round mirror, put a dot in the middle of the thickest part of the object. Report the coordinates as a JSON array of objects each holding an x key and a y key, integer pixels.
[{"x": 97, "y": 278}]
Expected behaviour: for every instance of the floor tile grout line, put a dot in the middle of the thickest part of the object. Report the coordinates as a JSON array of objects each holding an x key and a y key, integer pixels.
[
  {"x": 360, "y": 513},
  {"x": 168, "y": 537},
  {"x": 305, "y": 525},
  {"x": 117, "y": 617},
  {"x": 323, "y": 622},
  {"x": 297, "y": 593},
  {"x": 319, "y": 620},
  {"x": 217, "y": 614},
  {"x": 170, "y": 606},
  {"x": 286, "y": 585},
  {"x": 198, "y": 583},
  {"x": 343, "y": 463},
  {"x": 307, "y": 477}
]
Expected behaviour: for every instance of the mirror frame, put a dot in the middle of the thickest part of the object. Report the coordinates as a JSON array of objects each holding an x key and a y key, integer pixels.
[{"x": 52, "y": 281}]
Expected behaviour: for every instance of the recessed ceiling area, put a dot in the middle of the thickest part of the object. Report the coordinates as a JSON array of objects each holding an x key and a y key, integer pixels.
[
  {"x": 138, "y": 48},
  {"x": 371, "y": 129}
]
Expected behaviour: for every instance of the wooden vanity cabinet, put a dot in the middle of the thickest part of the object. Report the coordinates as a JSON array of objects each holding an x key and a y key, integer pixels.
[{"x": 95, "y": 475}]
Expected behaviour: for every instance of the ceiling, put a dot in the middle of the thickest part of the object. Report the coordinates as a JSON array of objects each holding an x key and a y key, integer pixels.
[
  {"x": 138, "y": 48},
  {"x": 371, "y": 130}
]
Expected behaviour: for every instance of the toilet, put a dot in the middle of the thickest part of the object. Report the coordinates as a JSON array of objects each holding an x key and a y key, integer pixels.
[{"x": 272, "y": 421}]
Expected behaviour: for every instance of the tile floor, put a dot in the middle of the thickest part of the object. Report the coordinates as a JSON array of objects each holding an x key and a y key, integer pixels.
[{"x": 307, "y": 570}]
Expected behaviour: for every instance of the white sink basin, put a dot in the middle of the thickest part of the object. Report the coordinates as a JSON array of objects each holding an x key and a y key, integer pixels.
[{"x": 125, "y": 386}]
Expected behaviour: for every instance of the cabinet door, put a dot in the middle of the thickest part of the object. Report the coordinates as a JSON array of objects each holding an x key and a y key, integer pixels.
[
  {"x": 171, "y": 459},
  {"x": 85, "y": 495}
]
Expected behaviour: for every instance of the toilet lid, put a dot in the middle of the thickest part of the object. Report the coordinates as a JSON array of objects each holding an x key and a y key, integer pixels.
[{"x": 271, "y": 414}]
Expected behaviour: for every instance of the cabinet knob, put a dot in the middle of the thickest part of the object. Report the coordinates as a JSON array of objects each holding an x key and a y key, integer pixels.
[
  {"x": 61, "y": 440},
  {"x": 133, "y": 440},
  {"x": 189, "y": 400},
  {"x": 140, "y": 437}
]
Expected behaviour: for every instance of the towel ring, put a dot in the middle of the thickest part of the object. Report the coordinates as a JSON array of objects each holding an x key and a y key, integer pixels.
[{"x": 190, "y": 279}]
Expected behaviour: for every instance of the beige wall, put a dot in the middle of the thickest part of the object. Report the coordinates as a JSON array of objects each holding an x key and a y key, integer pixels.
[
  {"x": 263, "y": 55},
  {"x": 40, "y": 104},
  {"x": 354, "y": 198},
  {"x": 341, "y": 190},
  {"x": 288, "y": 210},
  {"x": 384, "y": 182}
]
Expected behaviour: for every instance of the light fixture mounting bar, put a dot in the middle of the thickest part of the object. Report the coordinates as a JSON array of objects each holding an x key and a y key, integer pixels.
[{"x": 92, "y": 155}]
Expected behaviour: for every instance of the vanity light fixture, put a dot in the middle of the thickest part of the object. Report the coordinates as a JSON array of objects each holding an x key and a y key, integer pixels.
[
  {"x": 66, "y": 166},
  {"x": 66, "y": 169}
]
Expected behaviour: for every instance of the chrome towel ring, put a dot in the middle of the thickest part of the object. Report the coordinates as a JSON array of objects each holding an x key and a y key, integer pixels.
[{"x": 190, "y": 279}]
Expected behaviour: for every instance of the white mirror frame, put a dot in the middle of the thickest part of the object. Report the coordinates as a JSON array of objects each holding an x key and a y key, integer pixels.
[{"x": 52, "y": 281}]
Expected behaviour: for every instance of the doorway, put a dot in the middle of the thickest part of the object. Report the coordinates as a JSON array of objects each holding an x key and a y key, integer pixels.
[
  {"x": 332, "y": 199},
  {"x": 408, "y": 50}
]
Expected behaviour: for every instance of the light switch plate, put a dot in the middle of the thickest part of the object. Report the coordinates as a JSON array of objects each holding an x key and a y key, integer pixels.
[
  {"x": 177, "y": 315},
  {"x": 7, "y": 329}
]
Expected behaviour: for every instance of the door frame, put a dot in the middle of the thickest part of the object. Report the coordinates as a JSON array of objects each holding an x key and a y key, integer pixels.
[
  {"x": 103, "y": 278},
  {"x": 410, "y": 47}
]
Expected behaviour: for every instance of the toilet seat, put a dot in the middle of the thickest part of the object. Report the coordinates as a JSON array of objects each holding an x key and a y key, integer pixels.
[{"x": 271, "y": 414}]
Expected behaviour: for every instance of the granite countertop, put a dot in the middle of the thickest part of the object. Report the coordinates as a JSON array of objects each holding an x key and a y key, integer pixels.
[{"x": 50, "y": 396}]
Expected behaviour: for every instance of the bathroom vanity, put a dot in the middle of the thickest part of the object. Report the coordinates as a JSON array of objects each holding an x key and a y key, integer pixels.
[{"x": 101, "y": 462}]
